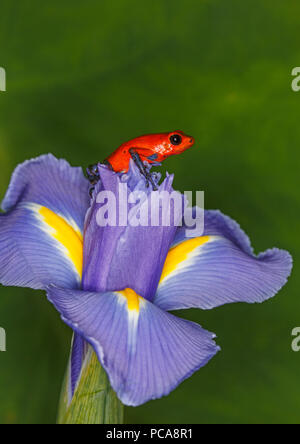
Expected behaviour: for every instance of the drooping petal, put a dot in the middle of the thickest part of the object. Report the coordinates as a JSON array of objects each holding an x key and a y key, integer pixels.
[
  {"x": 51, "y": 183},
  {"x": 145, "y": 351},
  {"x": 219, "y": 268},
  {"x": 218, "y": 224},
  {"x": 126, "y": 255},
  {"x": 41, "y": 231}
]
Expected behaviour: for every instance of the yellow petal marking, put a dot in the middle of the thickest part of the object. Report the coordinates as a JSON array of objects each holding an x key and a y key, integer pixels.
[
  {"x": 181, "y": 253},
  {"x": 66, "y": 234},
  {"x": 133, "y": 299}
]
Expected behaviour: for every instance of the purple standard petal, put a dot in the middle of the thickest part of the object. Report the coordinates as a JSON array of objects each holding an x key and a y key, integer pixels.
[
  {"x": 128, "y": 256},
  {"x": 219, "y": 268},
  {"x": 145, "y": 351},
  {"x": 41, "y": 231}
]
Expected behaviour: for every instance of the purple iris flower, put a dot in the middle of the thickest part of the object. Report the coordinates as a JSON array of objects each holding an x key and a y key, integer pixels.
[{"x": 114, "y": 286}]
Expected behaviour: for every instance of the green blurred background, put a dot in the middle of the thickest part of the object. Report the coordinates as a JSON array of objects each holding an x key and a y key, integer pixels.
[{"x": 82, "y": 77}]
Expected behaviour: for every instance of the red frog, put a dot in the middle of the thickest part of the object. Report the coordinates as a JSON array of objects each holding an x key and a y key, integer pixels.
[{"x": 150, "y": 148}]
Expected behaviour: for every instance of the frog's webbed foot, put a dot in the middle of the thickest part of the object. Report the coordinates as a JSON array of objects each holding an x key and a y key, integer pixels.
[
  {"x": 143, "y": 170},
  {"x": 93, "y": 177}
]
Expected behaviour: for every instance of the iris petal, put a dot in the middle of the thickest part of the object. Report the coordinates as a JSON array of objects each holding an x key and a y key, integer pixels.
[
  {"x": 145, "y": 351},
  {"x": 219, "y": 268},
  {"x": 127, "y": 256},
  {"x": 78, "y": 352},
  {"x": 52, "y": 183},
  {"x": 41, "y": 231}
]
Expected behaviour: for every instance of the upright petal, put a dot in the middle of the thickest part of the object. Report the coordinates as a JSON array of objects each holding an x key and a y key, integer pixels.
[
  {"x": 145, "y": 351},
  {"x": 219, "y": 268},
  {"x": 126, "y": 255},
  {"x": 41, "y": 231}
]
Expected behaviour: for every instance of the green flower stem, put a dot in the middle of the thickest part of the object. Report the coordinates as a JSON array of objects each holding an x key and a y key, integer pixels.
[{"x": 94, "y": 401}]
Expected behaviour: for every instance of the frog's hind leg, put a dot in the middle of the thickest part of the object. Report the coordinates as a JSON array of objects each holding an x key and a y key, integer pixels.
[
  {"x": 93, "y": 173},
  {"x": 93, "y": 176}
]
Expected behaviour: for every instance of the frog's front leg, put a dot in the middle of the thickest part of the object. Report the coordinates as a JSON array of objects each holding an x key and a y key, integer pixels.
[{"x": 139, "y": 163}]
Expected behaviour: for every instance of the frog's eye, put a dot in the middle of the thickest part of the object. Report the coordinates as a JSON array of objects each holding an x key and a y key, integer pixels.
[{"x": 175, "y": 139}]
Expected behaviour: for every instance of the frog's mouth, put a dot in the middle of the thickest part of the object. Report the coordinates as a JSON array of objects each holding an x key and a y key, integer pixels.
[{"x": 185, "y": 146}]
